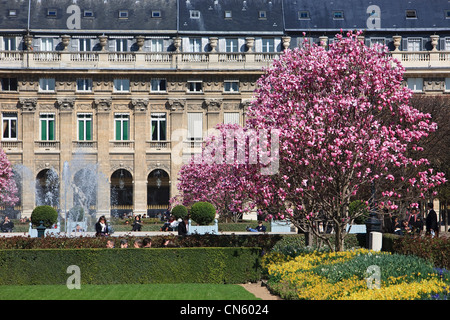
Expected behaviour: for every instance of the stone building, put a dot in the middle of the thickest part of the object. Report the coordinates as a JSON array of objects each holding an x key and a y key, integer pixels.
[{"x": 128, "y": 89}]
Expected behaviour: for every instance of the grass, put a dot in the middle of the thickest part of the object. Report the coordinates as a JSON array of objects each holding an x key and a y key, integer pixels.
[{"x": 179, "y": 291}]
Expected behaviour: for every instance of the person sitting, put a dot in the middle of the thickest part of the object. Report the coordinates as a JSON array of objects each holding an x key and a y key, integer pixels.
[
  {"x": 167, "y": 224},
  {"x": 259, "y": 228},
  {"x": 137, "y": 224},
  {"x": 7, "y": 225},
  {"x": 397, "y": 228}
]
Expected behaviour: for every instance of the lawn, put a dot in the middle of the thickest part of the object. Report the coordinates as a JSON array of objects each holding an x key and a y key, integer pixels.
[{"x": 181, "y": 291}]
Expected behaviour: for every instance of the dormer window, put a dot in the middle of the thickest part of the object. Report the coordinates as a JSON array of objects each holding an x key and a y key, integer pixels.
[
  {"x": 156, "y": 13},
  {"x": 447, "y": 14},
  {"x": 338, "y": 15},
  {"x": 411, "y": 14},
  {"x": 303, "y": 15},
  {"x": 194, "y": 14},
  {"x": 228, "y": 15},
  {"x": 12, "y": 13},
  {"x": 52, "y": 13},
  {"x": 88, "y": 13},
  {"x": 123, "y": 14},
  {"x": 262, "y": 15}
]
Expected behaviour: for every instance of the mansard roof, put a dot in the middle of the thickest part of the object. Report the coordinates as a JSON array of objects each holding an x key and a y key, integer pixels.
[
  {"x": 91, "y": 15},
  {"x": 222, "y": 16},
  {"x": 394, "y": 15},
  {"x": 231, "y": 16}
]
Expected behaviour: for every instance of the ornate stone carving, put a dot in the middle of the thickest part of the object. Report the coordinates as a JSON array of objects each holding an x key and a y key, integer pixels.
[
  {"x": 213, "y": 104},
  {"x": 139, "y": 104},
  {"x": 27, "y": 104},
  {"x": 65, "y": 104},
  {"x": 175, "y": 104},
  {"x": 103, "y": 104}
]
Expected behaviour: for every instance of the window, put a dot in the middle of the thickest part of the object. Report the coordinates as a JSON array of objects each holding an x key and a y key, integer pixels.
[
  {"x": 195, "y": 45},
  {"x": 231, "y": 118},
  {"x": 158, "y": 85},
  {"x": 47, "y": 122},
  {"x": 447, "y": 14},
  {"x": 338, "y": 15},
  {"x": 267, "y": 45},
  {"x": 411, "y": 14},
  {"x": 158, "y": 122},
  {"x": 447, "y": 44},
  {"x": 9, "y": 43},
  {"x": 303, "y": 15},
  {"x": 194, "y": 14},
  {"x": 414, "y": 44},
  {"x": 88, "y": 13},
  {"x": 415, "y": 84},
  {"x": 122, "y": 126},
  {"x": 47, "y": 84},
  {"x": 231, "y": 86},
  {"x": 84, "y": 44},
  {"x": 123, "y": 14},
  {"x": 9, "y": 128},
  {"x": 46, "y": 44},
  {"x": 9, "y": 84},
  {"x": 447, "y": 84},
  {"x": 84, "y": 126},
  {"x": 228, "y": 15},
  {"x": 194, "y": 86},
  {"x": 121, "y": 85},
  {"x": 195, "y": 126},
  {"x": 262, "y": 14},
  {"x": 84, "y": 85},
  {"x": 122, "y": 45},
  {"x": 156, "y": 14},
  {"x": 156, "y": 45},
  {"x": 12, "y": 13},
  {"x": 231, "y": 45},
  {"x": 52, "y": 13}
]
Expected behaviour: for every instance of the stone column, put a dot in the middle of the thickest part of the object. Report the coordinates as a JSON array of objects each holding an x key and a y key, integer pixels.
[
  {"x": 104, "y": 126},
  {"x": 27, "y": 106},
  {"x": 65, "y": 106},
  {"x": 178, "y": 136},
  {"x": 140, "y": 166}
]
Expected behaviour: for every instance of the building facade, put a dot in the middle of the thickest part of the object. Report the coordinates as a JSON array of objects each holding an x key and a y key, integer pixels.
[{"x": 120, "y": 93}]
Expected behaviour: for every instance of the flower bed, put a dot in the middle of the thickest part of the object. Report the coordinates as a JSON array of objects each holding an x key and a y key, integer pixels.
[{"x": 342, "y": 276}]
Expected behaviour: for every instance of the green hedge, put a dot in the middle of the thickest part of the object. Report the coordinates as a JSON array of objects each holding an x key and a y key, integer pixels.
[{"x": 120, "y": 266}]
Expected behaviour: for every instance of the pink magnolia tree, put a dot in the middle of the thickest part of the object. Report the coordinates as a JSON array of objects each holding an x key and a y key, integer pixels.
[
  {"x": 218, "y": 175},
  {"x": 8, "y": 188},
  {"x": 345, "y": 125}
]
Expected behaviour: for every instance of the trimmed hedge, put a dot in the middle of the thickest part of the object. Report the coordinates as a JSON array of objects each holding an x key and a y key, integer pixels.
[{"x": 122, "y": 266}]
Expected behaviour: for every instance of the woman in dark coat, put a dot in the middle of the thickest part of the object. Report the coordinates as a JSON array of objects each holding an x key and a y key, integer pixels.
[{"x": 101, "y": 227}]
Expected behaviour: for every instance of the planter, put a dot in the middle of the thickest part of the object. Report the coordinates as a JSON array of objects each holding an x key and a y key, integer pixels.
[
  {"x": 277, "y": 226},
  {"x": 33, "y": 233},
  {"x": 212, "y": 229}
]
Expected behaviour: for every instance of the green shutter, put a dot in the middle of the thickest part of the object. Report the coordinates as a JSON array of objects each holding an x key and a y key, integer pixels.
[
  {"x": 125, "y": 130},
  {"x": 51, "y": 130},
  {"x": 118, "y": 130},
  {"x": 80, "y": 130},
  {"x": 88, "y": 130},
  {"x": 162, "y": 134},
  {"x": 43, "y": 130}
]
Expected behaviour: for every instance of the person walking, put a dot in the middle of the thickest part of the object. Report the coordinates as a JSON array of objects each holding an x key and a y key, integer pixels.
[{"x": 431, "y": 222}]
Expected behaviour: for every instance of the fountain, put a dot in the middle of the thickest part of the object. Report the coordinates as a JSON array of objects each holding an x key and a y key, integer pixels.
[{"x": 74, "y": 194}]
